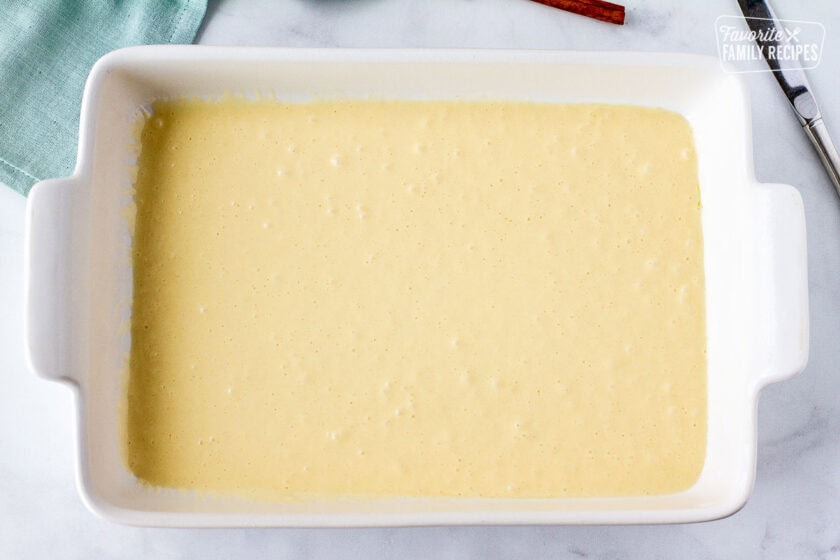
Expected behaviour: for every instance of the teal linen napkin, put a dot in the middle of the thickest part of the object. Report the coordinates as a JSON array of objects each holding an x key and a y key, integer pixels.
[{"x": 47, "y": 48}]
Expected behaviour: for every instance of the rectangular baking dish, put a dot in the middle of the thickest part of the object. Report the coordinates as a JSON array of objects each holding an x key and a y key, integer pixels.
[{"x": 78, "y": 261}]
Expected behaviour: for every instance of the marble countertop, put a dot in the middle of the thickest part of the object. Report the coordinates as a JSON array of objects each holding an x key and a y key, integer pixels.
[{"x": 794, "y": 511}]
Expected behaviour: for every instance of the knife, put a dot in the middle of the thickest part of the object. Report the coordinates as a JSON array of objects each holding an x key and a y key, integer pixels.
[{"x": 768, "y": 31}]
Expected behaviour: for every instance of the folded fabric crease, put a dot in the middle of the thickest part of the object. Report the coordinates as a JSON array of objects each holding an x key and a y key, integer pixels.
[{"x": 47, "y": 49}]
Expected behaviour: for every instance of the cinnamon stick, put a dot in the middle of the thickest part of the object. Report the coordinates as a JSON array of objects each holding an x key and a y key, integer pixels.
[{"x": 595, "y": 9}]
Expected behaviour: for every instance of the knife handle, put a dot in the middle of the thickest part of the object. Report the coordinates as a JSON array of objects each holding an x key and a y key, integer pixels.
[{"x": 818, "y": 134}]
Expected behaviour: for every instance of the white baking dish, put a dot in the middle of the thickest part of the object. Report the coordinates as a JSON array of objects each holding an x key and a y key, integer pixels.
[{"x": 78, "y": 264}]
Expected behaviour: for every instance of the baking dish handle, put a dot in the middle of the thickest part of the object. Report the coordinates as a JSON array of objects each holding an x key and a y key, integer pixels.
[
  {"x": 783, "y": 271},
  {"x": 53, "y": 234}
]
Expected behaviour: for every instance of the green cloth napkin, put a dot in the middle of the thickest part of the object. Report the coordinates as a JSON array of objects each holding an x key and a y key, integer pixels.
[{"x": 47, "y": 48}]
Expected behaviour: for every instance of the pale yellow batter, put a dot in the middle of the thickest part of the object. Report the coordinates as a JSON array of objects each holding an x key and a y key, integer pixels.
[{"x": 417, "y": 298}]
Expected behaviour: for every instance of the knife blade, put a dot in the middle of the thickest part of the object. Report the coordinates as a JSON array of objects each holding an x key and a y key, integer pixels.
[{"x": 769, "y": 34}]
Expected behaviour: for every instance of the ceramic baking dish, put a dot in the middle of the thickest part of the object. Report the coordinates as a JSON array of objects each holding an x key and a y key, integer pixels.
[{"x": 78, "y": 265}]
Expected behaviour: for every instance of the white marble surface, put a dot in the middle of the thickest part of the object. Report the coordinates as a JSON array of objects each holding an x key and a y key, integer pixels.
[{"x": 794, "y": 511}]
